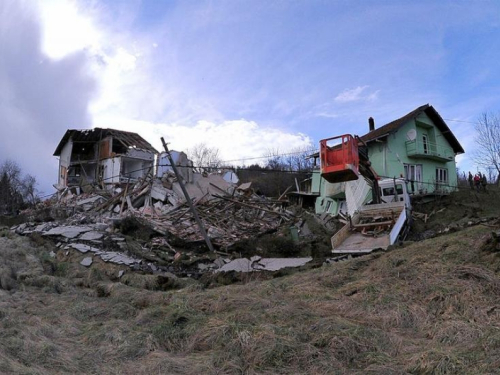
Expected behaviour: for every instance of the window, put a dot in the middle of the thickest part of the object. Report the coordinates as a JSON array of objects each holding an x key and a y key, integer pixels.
[
  {"x": 328, "y": 205},
  {"x": 390, "y": 190},
  {"x": 425, "y": 144},
  {"x": 413, "y": 173},
  {"x": 441, "y": 175}
]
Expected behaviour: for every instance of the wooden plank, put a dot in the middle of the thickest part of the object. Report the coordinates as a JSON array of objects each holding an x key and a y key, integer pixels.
[
  {"x": 124, "y": 196},
  {"x": 286, "y": 191},
  {"x": 374, "y": 224},
  {"x": 188, "y": 198}
]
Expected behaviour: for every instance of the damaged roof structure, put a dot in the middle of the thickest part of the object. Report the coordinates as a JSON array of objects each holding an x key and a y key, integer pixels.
[{"x": 105, "y": 157}]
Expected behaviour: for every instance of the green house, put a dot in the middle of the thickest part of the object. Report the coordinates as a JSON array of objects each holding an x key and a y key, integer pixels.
[{"x": 419, "y": 147}]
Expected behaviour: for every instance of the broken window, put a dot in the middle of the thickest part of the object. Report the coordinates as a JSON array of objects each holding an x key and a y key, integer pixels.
[
  {"x": 83, "y": 151},
  {"x": 74, "y": 171},
  {"x": 118, "y": 147}
]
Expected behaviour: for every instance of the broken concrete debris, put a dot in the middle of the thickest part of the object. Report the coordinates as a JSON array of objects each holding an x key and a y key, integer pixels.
[
  {"x": 257, "y": 263},
  {"x": 65, "y": 231},
  {"x": 87, "y": 262},
  {"x": 90, "y": 221}
]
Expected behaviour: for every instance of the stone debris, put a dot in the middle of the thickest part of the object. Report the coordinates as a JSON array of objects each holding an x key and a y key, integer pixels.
[
  {"x": 118, "y": 258},
  {"x": 87, "y": 262}
]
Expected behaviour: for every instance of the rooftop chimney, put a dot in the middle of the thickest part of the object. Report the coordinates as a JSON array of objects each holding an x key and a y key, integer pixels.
[{"x": 371, "y": 123}]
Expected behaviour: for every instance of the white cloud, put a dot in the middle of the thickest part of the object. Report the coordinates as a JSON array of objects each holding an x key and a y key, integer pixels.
[
  {"x": 236, "y": 139},
  {"x": 356, "y": 94},
  {"x": 66, "y": 29},
  {"x": 327, "y": 115},
  {"x": 132, "y": 98}
]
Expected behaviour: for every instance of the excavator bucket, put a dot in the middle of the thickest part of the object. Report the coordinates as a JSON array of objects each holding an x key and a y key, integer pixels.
[{"x": 339, "y": 158}]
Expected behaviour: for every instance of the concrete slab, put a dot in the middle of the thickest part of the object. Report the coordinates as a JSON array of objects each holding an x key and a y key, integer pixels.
[
  {"x": 92, "y": 235},
  {"x": 237, "y": 265},
  {"x": 70, "y": 231},
  {"x": 262, "y": 264},
  {"x": 275, "y": 264},
  {"x": 159, "y": 192}
]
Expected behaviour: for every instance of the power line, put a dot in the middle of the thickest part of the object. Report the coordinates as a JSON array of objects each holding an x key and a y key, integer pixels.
[
  {"x": 262, "y": 170},
  {"x": 272, "y": 156},
  {"x": 468, "y": 122}
]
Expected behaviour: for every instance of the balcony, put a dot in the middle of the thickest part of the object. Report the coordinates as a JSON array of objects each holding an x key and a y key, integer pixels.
[{"x": 428, "y": 150}]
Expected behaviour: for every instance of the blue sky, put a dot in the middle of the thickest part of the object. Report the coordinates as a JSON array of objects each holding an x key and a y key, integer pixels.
[{"x": 243, "y": 76}]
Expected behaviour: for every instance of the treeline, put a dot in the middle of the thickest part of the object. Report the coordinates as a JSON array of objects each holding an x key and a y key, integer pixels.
[
  {"x": 278, "y": 172},
  {"x": 17, "y": 191}
]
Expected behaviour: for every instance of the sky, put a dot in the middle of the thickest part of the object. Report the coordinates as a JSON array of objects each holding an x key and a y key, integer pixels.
[{"x": 244, "y": 76}]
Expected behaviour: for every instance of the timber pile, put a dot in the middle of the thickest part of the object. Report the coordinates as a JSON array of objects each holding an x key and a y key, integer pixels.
[{"x": 375, "y": 226}]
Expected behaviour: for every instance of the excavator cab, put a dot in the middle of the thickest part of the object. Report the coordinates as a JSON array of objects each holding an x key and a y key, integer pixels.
[{"x": 339, "y": 158}]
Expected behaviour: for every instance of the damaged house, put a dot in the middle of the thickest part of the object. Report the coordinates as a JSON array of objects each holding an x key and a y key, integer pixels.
[
  {"x": 105, "y": 157},
  {"x": 419, "y": 147}
]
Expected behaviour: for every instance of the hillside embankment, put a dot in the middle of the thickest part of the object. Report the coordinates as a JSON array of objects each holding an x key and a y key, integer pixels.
[{"x": 427, "y": 307}]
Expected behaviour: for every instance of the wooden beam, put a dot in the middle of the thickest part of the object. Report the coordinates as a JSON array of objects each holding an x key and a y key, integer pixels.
[
  {"x": 188, "y": 198},
  {"x": 374, "y": 224}
]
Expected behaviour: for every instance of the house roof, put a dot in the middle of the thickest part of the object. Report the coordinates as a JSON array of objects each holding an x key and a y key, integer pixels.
[
  {"x": 128, "y": 139},
  {"x": 429, "y": 110}
]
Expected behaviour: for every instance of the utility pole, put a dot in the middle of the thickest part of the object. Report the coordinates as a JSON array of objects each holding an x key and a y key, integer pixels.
[{"x": 188, "y": 198}]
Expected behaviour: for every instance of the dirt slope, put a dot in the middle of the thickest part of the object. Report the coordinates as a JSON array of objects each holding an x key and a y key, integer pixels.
[{"x": 430, "y": 307}]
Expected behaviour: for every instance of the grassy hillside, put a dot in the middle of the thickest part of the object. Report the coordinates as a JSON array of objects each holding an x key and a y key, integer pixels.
[{"x": 430, "y": 307}]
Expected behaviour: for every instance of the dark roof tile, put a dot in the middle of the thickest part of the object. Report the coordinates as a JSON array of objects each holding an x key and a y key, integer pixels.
[
  {"x": 429, "y": 110},
  {"x": 128, "y": 139}
]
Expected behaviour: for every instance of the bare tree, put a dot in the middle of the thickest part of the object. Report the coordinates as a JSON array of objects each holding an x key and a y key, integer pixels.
[
  {"x": 299, "y": 160},
  {"x": 12, "y": 172},
  {"x": 492, "y": 174},
  {"x": 488, "y": 141},
  {"x": 16, "y": 191},
  {"x": 274, "y": 160},
  {"x": 29, "y": 189},
  {"x": 204, "y": 157}
]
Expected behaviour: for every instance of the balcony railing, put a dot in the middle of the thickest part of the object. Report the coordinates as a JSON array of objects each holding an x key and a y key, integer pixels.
[{"x": 429, "y": 150}]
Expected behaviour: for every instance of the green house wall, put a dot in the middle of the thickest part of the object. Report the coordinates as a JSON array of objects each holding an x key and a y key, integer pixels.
[
  {"x": 330, "y": 194},
  {"x": 388, "y": 156}
]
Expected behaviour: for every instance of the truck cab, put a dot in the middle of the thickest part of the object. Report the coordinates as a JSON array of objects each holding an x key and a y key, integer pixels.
[{"x": 394, "y": 190}]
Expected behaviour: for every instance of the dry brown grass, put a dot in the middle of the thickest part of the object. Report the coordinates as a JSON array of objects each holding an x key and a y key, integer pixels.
[{"x": 429, "y": 308}]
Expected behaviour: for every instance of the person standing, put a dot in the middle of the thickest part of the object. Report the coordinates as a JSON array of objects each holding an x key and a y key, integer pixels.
[
  {"x": 477, "y": 182},
  {"x": 484, "y": 182},
  {"x": 471, "y": 181}
]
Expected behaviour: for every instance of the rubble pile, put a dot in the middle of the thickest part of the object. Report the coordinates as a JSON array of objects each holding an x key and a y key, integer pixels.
[{"x": 229, "y": 213}]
